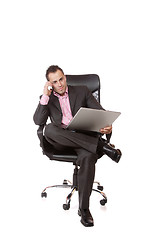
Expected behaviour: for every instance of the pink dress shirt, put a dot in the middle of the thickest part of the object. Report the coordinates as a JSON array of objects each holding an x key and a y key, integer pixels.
[{"x": 64, "y": 104}]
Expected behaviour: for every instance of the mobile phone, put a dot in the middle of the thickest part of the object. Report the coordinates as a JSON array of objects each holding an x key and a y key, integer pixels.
[{"x": 50, "y": 88}]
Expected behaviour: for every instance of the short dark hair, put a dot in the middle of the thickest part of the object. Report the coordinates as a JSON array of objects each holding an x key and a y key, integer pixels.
[{"x": 53, "y": 69}]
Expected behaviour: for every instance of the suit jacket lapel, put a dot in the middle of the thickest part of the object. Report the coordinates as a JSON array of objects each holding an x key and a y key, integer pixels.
[
  {"x": 72, "y": 98},
  {"x": 55, "y": 101}
]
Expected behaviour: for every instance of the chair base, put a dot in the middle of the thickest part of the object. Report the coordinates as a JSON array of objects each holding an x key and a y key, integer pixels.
[{"x": 68, "y": 184}]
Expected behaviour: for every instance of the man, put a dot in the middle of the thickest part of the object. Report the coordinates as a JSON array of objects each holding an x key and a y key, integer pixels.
[{"x": 60, "y": 102}]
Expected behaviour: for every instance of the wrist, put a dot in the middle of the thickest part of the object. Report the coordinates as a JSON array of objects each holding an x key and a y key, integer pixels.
[{"x": 44, "y": 99}]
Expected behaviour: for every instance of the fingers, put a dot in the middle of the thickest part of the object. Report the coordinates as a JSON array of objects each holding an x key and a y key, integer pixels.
[
  {"x": 47, "y": 88},
  {"x": 106, "y": 130}
]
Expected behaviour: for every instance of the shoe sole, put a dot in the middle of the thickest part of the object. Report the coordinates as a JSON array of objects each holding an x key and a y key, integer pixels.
[{"x": 119, "y": 156}]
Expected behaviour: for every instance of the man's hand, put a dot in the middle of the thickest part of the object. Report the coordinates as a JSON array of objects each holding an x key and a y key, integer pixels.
[
  {"x": 106, "y": 130},
  {"x": 46, "y": 91}
]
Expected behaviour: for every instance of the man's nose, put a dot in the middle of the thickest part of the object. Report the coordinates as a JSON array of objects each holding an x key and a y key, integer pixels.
[{"x": 59, "y": 84}]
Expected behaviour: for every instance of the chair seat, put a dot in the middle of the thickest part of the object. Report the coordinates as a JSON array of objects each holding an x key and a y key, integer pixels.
[{"x": 65, "y": 156}]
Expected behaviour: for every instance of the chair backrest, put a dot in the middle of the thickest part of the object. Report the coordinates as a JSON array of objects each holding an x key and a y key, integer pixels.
[{"x": 92, "y": 81}]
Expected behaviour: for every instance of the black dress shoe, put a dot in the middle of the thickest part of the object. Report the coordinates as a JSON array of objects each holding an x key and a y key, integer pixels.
[
  {"x": 86, "y": 217},
  {"x": 109, "y": 149},
  {"x": 114, "y": 154}
]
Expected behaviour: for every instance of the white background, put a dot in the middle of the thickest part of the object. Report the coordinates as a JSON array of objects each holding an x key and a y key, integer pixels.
[{"x": 120, "y": 41}]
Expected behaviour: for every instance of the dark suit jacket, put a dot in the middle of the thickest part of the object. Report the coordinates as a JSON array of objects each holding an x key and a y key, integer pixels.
[{"x": 79, "y": 96}]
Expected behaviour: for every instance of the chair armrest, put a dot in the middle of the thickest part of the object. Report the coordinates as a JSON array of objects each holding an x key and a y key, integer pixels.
[{"x": 40, "y": 135}]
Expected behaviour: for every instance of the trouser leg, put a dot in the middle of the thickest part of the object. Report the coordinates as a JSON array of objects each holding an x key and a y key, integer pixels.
[
  {"x": 86, "y": 160},
  {"x": 70, "y": 139}
]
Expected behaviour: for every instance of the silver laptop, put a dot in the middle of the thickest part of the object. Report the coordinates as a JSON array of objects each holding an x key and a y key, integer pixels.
[{"x": 92, "y": 119}]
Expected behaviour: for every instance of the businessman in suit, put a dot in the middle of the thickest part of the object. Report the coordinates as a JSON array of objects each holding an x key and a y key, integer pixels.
[{"x": 60, "y": 103}]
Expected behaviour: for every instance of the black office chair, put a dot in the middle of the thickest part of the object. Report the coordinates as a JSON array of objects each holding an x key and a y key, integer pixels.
[{"x": 92, "y": 81}]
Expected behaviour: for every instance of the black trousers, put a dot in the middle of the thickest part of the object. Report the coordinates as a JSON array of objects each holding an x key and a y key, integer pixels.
[{"x": 86, "y": 149}]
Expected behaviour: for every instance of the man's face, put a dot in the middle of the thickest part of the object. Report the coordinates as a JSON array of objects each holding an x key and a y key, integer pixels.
[{"x": 58, "y": 81}]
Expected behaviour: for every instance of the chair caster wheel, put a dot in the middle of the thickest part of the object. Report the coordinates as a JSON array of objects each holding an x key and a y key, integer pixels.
[
  {"x": 100, "y": 188},
  {"x": 43, "y": 194},
  {"x": 65, "y": 182},
  {"x": 103, "y": 201},
  {"x": 66, "y": 206}
]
